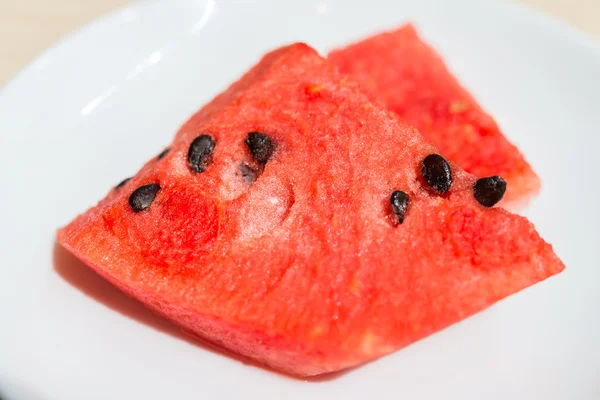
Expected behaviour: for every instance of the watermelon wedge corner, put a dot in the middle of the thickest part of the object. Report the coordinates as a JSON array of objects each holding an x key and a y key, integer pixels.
[
  {"x": 297, "y": 223},
  {"x": 411, "y": 79}
]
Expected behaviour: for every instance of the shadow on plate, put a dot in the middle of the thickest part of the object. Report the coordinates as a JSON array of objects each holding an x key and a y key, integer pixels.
[
  {"x": 83, "y": 278},
  {"x": 13, "y": 390}
]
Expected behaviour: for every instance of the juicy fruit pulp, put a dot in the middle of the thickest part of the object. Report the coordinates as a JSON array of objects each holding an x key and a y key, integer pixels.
[
  {"x": 411, "y": 79},
  {"x": 305, "y": 267}
]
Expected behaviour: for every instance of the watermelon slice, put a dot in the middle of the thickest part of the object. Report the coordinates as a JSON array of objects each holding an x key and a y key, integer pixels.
[
  {"x": 297, "y": 223},
  {"x": 411, "y": 79}
]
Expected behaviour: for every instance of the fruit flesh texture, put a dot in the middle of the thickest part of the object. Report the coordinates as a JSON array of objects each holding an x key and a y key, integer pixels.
[
  {"x": 411, "y": 79},
  {"x": 304, "y": 270}
]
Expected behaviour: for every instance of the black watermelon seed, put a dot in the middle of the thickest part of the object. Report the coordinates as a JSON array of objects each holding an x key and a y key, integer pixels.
[
  {"x": 200, "y": 153},
  {"x": 436, "y": 172},
  {"x": 489, "y": 191},
  {"x": 248, "y": 173},
  {"x": 163, "y": 154},
  {"x": 142, "y": 197},
  {"x": 261, "y": 146},
  {"x": 399, "y": 203},
  {"x": 122, "y": 183}
]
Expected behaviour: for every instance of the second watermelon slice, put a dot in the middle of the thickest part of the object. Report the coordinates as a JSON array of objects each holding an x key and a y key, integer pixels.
[
  {"x": 297, "y": 223},
  {"x": 412, "y": 80}
]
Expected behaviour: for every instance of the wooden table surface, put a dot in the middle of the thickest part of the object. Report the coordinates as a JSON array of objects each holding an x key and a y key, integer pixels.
[{"x": 27, "y": 27}]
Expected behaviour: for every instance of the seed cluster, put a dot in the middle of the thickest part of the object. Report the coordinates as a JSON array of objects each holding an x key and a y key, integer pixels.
[
  {"x": 199, "y": 158},
  {"x": 437, "y": 174},
  {"x": 435, "y": 171}
]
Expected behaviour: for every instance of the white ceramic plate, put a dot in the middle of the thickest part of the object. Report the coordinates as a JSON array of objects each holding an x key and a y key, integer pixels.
[{"x": 91, "y": 110}]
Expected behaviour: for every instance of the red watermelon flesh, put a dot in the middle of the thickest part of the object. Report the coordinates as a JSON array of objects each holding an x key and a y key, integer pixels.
[
  {"x": 412, "y": 80},
  {"x": 299, "y": 264}
]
